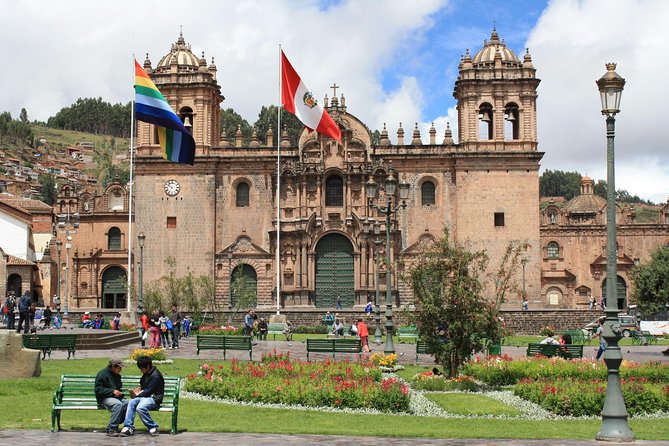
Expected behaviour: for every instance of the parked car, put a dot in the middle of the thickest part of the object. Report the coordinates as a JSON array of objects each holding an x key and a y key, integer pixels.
[{"x": 627, "y": 325}]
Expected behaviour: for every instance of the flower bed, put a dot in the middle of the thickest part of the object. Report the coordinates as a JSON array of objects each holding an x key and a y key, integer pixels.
[
  {"x": 440, "y": 383},
  {"x": 503, "y": 371},
  {"x": 156, "y": 354},
  {"x": 580, "y": 397},
  {"x": 278, "y": 379},
  {"x": 215, "y": 329}
]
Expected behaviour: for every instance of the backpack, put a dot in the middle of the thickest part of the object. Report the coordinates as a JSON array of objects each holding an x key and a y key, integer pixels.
[{"x": 169, "y": 325}]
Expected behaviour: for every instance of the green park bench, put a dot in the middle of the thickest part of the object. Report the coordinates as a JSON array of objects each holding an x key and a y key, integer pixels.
[
  {"x": 642, "y": 337},
  {"x": 275, "y": 329},
  {"x": 334, "y": 346},
  {"x": 225, "y": 343},
  {"x": 564, "y": 351},
  {"x": 46, "y": 343},
  {"x": 407, "y": 332},
  {"x": 578, "y": 337},
  {"x": 77, "y": 392}
]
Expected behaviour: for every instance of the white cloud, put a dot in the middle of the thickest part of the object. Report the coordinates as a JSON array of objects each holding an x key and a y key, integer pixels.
[{"x": 570, "y": 45}]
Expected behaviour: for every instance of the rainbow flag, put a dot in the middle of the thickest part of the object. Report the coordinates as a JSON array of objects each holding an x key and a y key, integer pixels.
[{"x": 150, "y": 106}]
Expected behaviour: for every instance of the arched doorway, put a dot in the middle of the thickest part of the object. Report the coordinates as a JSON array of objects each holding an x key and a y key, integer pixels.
[
  {"x": 244, "y": 286},
  {"x": 334, "y": 271},
  {"x": 114, "y": 288},
  {"x": 621, "y": 291},
  {"x": 14, "y": 284}
]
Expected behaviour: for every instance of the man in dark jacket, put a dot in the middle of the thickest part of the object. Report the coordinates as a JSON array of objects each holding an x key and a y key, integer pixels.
[
  {"x": 148, "y": 396},
  {"x": 10, "y": 305},
  {"x": 109, "y": 395},
  {"x": 176, "y": 326},
  {"x": 24, "y": 313}
]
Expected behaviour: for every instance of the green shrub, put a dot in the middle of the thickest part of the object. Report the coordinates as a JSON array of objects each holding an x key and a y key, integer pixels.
[
  {"x": 308, "y": 329},
  {"x": 440, "y": 383}
]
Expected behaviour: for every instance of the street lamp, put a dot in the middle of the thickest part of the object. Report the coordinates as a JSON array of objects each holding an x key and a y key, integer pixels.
[
  {"x": 140, "y": 307},
  {"x": 372, "y": 230},
  {"x": 68, "y": 245},
  {"x": 229, "y": 287},
  {"x": 390, "y": 186},
  {"x": 59, "y": 247},
  {"x": 614, "y": 414}
]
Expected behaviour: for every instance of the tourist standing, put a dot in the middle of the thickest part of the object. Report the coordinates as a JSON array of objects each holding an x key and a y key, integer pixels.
[
  {"x": 164, "y": 329},
  {"x": 155, "y": 332},
  {"x": 24, "y": 313},
  {"x": 144, "y": 323},
  {"x": 368, "y": 310},
  {"x": 248, "y": 323},
  {"x": 9, "y": 310},
  {"x": 262, "y": 329},
  {"x": 363, "y": 332},
  {"x": 46, "y": 316},
  {"x": 108, "y": 383},
  {"x": 176, "y": 326}
]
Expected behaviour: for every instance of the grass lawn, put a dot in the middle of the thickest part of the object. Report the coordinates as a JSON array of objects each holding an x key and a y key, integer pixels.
[
  {"x": 26, "y": 404},
  {"x": 471, "y": 404}
]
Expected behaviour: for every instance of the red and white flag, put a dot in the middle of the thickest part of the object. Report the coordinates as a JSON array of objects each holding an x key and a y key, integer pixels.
[{"x": 297, "y": 99}]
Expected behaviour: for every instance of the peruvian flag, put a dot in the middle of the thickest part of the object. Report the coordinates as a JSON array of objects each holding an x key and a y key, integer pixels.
[{"x": 297, "y": 99}]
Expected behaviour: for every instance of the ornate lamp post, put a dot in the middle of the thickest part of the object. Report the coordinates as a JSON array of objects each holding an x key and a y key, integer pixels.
[
  {"x": 614, "y": 414},
  {"x": 372, "y": 230},
  {"x": 140, "y": 307},
  {"x": 68, "y": 245},
  {"x": 229, "y": 287},
  {"x": 59, "y": 248},
  {"x": 391, "y": 207}
]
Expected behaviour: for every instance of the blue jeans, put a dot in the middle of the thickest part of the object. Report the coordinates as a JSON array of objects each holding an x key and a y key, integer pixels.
[
  {"x": 142, "y": 406},
  {"x": 600, "y": 351},
  {"x": 117, "y": 408}
]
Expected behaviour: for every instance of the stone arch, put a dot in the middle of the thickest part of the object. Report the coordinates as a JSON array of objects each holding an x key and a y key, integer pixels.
[
  {"x": 561, "y": 296},
  {"x": 15, "y": 283},
  {"x": 244, "y": 285},
  {"x": 114, "y": 287}
]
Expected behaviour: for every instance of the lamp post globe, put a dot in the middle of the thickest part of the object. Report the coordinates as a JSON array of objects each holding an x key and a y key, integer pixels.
[{"x": 614, "y": 414}]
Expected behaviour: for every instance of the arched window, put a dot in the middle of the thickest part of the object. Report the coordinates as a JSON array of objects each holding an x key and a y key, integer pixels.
[
  {"x": 334, "y": 191},
  {"x": 242, "y": 195},
  {"x": 114, "y": 239},
  {"x": 553, "y": 250},
  {"x": 485, "y": 122},
  {"x": 427, "y": 193},
  {"x": 186, "y": 116},
  {"x": 511, "y": 123}
]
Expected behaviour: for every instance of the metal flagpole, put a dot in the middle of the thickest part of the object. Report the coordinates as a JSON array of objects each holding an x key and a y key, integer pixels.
[
  {"x": 278, "y": 193},
  {"x": 132, "y": 152}
]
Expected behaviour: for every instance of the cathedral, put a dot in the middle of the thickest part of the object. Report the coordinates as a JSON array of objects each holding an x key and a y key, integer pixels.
[
  {"x": 338, "y": 201},
  {"x": 219, "y": 217}
]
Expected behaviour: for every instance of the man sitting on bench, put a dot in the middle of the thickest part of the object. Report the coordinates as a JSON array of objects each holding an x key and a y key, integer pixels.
[{"x": 108, "y": 392}]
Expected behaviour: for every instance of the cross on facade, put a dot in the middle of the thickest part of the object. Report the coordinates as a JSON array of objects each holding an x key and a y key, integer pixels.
[
  {"x": 181, "y": 29},
  {"x": 334, "y": 89}
]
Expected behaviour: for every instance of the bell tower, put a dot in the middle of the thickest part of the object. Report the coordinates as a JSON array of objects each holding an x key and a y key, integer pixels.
[
  {"x": 496, "y": 96},
  {"x": 189, "y": 85}
]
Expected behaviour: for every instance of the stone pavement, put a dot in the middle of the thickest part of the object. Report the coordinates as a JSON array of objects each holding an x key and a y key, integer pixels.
[
  {"x": 32, "y": 437},
  {"x": 297, "y": 349}
]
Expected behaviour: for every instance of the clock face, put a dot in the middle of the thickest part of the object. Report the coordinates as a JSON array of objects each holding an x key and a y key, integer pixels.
[{"x": 172, "y": 187}]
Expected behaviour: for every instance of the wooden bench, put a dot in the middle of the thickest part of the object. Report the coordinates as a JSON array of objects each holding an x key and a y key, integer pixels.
[
  {"x": 642, "y": 337},
  {"x": 222, "y": 342},
  {"x": 409, "y": 332},
  {"x": 578, "y": 337},
  {"x": 276, "y": 329},
  {"x": 567, "y": 351},
  {"x": 334, "y": 346},
  {"x": 46, "y": 343},
  {"x": 77, "y": 392}
]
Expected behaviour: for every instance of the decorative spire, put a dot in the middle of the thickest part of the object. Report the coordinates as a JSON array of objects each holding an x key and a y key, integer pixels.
[
  {"x": 285, "y": 139},
  {"x": 433, "y": 135},
  {"x": 400, "y": 136},
  {"x": 147, "y": 63},
  {"x": 238, "y": 136},
  {"x": 416, "y": 141},
  {"x": 384, "y": 141},
  {"x": 326, "y": 101},
  {"x": 255, "y": 141},
  {"x": 527, "y": 59},
  {"x": 224, "y": 142},
  {"x": 448, "y": 135},
  {"x": 269, "y": 137}
]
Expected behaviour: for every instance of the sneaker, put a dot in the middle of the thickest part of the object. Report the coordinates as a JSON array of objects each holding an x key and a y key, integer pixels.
[
  {"x": 113, "y": 433},
  {"x": 126, "y": 432},
  {"x": 154, "y": 432}
]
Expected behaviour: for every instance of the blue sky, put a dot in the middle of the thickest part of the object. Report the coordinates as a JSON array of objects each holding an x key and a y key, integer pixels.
[{"x": 395, "y": 61}]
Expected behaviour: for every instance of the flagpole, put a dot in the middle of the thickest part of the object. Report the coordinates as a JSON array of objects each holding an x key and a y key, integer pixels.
[
  {"x": 132, "y": 151},
  {"x": 278, "y": 195}
]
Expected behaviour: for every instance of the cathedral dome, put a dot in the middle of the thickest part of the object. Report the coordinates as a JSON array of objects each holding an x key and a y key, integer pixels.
[
  {"x": 493, "y": 47},
  {"x": 587, "y": 202},
  {"x": 181, "y": 54}
]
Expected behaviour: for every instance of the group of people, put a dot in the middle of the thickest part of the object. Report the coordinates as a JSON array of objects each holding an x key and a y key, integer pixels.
[
  {"x": 592, "y": 303},
  {"x": 98, "y": 322},
  {"x": 359, "y": 329},
  {"x": 258, "y": 327},
  {"x": 163, "y": 330},
  {"x": 148, "y": 396},
  {"x": 28, "y": 313}
]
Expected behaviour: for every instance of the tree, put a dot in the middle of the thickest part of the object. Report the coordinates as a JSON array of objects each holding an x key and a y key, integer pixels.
[
  {"x": 47, "y": 189},
  {"x": 556, "y": 183},
  {"x": 23, "y": 115},
  {"x": 230, "y": 121},
  {"x": 454, "y": 318},
  {"x": 267, "y": 120},
  {"x": 651, "y": 283}
]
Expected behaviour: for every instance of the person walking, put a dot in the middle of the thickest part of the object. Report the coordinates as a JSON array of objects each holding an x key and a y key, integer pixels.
[
  {"x": 24, "y": 313},
  {"x": 144, "y": 323},
  {"x": 164, "y": 330},
  {"x": 248, "y": 323},
  {"x": 602, "y": 342},
  {"x": 368, "y": 310},
  {"x": 176, "y": 326},
  {"x": 155, "y": 332},
  {"x": 148, "y": 396},
  {"x": 46, "y": 317},
  {"x": 108, "y": 393},
  {"x": 363, "y": 332}
]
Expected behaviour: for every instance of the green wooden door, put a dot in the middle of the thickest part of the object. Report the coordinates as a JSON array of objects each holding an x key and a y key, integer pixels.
[
  {"x": 114, "y": 288},
  {"x": 244, "y": 286},
  {"x": 621, "y": 290},
  {"x": 334, "y": 271}
]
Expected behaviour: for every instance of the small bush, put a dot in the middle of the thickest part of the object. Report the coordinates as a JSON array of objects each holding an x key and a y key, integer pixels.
[
  {"x": 440, "y": 383},
  {"x": 156, "y": 354}
]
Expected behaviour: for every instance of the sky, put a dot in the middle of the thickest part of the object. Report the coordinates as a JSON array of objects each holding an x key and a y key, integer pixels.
[{"x": 394, "y": 60}]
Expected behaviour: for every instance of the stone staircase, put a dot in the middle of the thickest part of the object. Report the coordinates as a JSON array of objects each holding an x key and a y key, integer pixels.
[{"x": 106, "y": 339}]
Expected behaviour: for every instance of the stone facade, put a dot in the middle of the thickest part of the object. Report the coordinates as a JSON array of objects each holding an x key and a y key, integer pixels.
[{"x": 223, "y": 216}]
